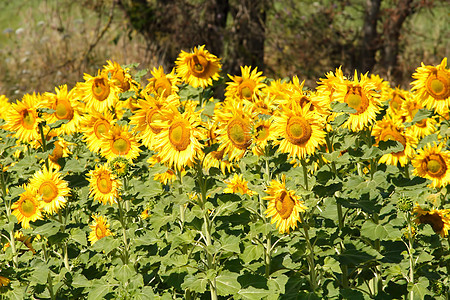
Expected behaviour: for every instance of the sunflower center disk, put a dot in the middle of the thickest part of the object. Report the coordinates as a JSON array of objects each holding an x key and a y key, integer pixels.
[
  {"x": 357, "y": 101},
  {"x": 179, "y": 136},
  {"x": 199, "y": 65},
  {"x": 436, "y": 166},
  {"x": 238, "y": 134},
  {"x": 153, "y": 116},
  {"x": 63, "y": 110},
  {"x": 262, "y": 132},
  {"x": 163, "y": 87},
  {"x": 438, "y": 85},
  {"x": 28, "y": 208},
  {"x": 28, "y": 119},
  {"x": 100, "y": 89},
  {"x": 100, "y": 129},
  {"x": 434, "y": 220},
  {"x": 246, "y": 89},
  {"x": 49, "y": 191},
  {"x": 298, "y": 130},
  {"x": 104, "y": 184},
  {"x": 121, "y": 146},
  {"x": 99, "y": 232},
  {"x": 284, "y": 205}
]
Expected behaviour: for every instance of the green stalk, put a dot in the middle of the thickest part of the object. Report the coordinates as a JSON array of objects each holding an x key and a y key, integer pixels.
[
  {"x": 411, "y": 258},
  {"x": 64, "y": 246},
  {"x": 12, "y": 239},
  {"x": 44, "y": 144},
  {"x": 310, "y": 258},
  {"x": 207, "y": 230},
  {"x": 182, "y": 209},
  {"x": 268, "y": 254},
  {"x": 305, "y": 175},
  {"x": 49, "y": 276},
  {"x": 330, "y": 150},
  {"x": 124, "y": 232}
]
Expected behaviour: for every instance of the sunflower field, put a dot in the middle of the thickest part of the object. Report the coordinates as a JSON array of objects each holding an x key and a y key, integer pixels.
[{"x": 195, "y": 184}]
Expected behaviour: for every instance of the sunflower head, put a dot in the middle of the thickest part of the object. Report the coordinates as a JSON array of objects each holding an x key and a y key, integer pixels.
[
  {"x": 199, "y": 67},
  {"x": 432, "y": 162},
  {"x": 99, "y": 229},
  {"x": 119, "y": 166},
  {"x": 284, "y": 206},
  {"x": 433, "y": 86},
  {"x": 238, "y": 185},
  {"x": 439, "y": 219},
  {"x": 28, "y": 208},
  {"x": 103, "y": 185}
]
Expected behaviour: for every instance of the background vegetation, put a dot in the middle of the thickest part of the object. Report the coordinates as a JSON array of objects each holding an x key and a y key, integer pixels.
[{"x": 47, "y": 43}]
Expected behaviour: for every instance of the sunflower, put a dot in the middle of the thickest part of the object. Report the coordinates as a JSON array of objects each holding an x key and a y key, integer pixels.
[
  {"x": 60, "y": 150},
  {"x": 247, "y": 86},
  {"x": 238, "y": 185},
  {"x": 433, "y": 86},
  {"x": 22, "y": 118},
  {"x": 25, "y": 239},
  {"x": 95, "y": 126},
  {"x": 149, "y": 110},
  {"x": 433, "y": 163},
  {"x": 103, "y": 185},
  {"x": 297, "y": 94},
  {"x": 360, "y": 95},
  {"x": 396, "y": 97},
  {"x": 119, "y": 76},
  {"x": 439, "y": 219},
  {"x": 51, "y": 189},
  {"x": 300, "y": 129},
  {"x": 419, "y": 129},
  {"x": 178, "y": 143},
  {"x": 4, "y": 107},
  {"x": 98, "y": 93},
  {"x": 4, "y": 281},
  {"x": 392, "y": 128},
  {"x": 28, "y": 208},
  {"x": 234, "y": 128},
  {"x": 162, "y": 84},
  {"x": 100, "y": 229},
  {"x": 284, "y": 206},
  {"x": 262, "y": 135},
  {"x": 119, "y": 141},
  {"x": 198, "y": 68},
  {"x": 65, "y": 107}
]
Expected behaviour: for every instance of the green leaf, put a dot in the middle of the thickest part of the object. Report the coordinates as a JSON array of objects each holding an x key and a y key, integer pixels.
[
  {"x": 342, "y": 107},
  {"x": 106, "y": 244},
  {"x": 227, "y": 284},
  {"x": 47, "y": 229},
  {"x": 375, "y": 231},
  {"x": 196, "y": 283},
  {"x": 253, "y": 293},
  {"x": 99, "y": 289},
  {"x": 124, "y": 273},
  {"x": 74, "y": 166},
  {"x": 79, "y": 280},
  {"x": 423, "y": 113},
  {"x": 251, "y": 253},
  {"x": 419, "y": 289},
  {"x": 230, "y": 243},
  {"x": 332, "y": 265},
  {"x": 278, "y": 284},
  {"x": 78, "y": 236}
]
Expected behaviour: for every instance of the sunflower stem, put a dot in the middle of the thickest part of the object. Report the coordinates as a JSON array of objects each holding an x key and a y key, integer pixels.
[
  {"x": 207, "y": 229},
  {"x": 12, "y": 239},
  {"x": 310, "y": 257},
  {"x": 406, "y": 169},
  {"x": 411, "y": 257},
  {"x": 268, "y": 253},
  {"x": 182, "y": 209},
  {"x": 64, "y": 245},
  {"x": 330, "y": 150},
  {"x": 44, "y": 143},
  {"x": 305, "y": 174},
  {"x": 124, "y": 232}
]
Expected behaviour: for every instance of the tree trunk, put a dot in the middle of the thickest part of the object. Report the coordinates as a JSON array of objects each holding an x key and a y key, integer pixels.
[
  {"x": 395, "y": 18},
  {"x": 370, "y": 40}
]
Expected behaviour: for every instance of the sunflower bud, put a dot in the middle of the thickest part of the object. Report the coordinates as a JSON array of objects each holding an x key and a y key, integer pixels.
[
  {"x": 119, "y": 166},
  {"x": 405, "y": 204}
]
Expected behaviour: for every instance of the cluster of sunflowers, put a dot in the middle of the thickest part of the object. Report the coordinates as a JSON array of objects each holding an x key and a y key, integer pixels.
[{"x": 118, "y": 118}]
